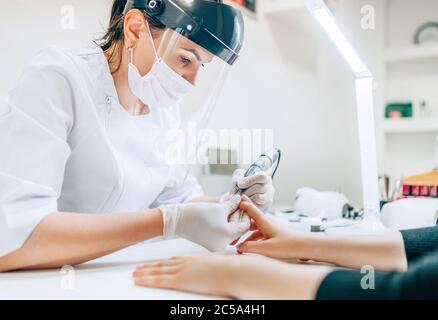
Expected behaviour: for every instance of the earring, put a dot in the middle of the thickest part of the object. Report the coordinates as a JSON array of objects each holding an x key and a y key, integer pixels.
[{"x": 131, "y": 52}]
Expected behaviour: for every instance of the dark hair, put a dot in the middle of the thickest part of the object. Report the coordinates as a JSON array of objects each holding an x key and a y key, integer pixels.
[{"x": 113, "y": 41}]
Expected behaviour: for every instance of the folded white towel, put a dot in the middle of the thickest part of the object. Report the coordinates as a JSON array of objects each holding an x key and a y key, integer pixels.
[{"x": 410, "y": 213}]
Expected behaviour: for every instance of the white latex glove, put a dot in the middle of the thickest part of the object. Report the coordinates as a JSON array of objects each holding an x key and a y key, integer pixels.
[
  {"x": 210, "y": 225},
  {"x": 258, "y": 188}
]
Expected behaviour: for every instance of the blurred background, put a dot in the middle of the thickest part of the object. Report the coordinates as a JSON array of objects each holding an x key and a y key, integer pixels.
[{"x": 290, "y": 79}]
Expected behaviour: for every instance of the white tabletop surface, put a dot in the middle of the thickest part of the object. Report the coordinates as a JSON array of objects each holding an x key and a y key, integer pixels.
[{"x": 109, "y": 277}]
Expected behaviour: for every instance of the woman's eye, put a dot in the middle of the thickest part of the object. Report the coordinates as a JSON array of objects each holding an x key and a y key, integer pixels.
[{"x": 185, "y": 60}]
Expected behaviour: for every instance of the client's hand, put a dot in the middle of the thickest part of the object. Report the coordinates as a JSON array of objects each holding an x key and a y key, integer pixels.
[
  {"x": 240, "y": 277},
  {"x": 272, "y": 237},
  {"x": 205, "y": 274},
  {"x": 207, "y": 224}
]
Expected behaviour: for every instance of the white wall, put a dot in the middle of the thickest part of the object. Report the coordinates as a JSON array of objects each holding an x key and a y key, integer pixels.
[
  {"x": 288, "y": 79},
  {"x": 405, "y": 16},
  {"x": 27, "y": 26}
]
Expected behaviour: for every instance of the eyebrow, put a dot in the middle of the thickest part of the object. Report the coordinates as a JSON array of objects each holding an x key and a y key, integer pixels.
[{"x": 195, "y": 53}]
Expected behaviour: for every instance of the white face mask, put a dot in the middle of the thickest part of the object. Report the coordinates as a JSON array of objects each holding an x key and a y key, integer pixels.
[{"x": 162, "y": 87}]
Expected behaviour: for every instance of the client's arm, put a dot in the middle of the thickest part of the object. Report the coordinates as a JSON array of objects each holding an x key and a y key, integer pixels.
[
  {"x": 261, "y": 278},
  {"x": 244, "y": 277},
  {"x": 277, "y": 240},
  {"x": 239, "y": 277}
]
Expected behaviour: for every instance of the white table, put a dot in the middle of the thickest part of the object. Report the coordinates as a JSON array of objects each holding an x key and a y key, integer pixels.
[{"x": 109, "y": 277}]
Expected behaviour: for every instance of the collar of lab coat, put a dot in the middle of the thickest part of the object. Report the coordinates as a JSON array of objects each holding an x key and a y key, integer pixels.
[{"x": 100, "y": 71}]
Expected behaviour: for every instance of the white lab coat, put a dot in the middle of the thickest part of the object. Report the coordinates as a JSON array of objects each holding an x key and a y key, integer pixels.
[{"x": 66, "y": 145}]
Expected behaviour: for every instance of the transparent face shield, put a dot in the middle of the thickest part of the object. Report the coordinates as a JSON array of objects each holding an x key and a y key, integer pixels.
[{"x": 186, "y": 145}]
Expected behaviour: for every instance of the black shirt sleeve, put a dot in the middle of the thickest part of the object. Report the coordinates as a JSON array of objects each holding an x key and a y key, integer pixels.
[
  {"x": 420, "y": 242},
  {"x": 419, "y": 282}
]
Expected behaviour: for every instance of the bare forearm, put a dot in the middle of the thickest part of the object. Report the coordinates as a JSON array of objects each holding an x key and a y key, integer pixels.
[
  {"x": 382, "y": 251},
  {"x": 69, "y": 238},
  {"x": 270, "y": 279}
]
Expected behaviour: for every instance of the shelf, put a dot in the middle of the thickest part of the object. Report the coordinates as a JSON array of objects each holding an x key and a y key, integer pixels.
[
  {"x": 412, "y": 53},
  {"x": 410, "y": 126}
]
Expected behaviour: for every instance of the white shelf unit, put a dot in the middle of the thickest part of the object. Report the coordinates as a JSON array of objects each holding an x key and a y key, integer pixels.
[
  {"x": 411, "y": 53},
  {"x": 393, "y": 126},
  {"x": 409, "y": 145}
]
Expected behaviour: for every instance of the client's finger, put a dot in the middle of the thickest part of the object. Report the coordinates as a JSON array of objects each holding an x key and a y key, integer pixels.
[
  {"x": 162, "y": 281},
  {"x": 162, "y": 263},
  {"x": 253, "y": 225},
  {"x": 156, "y": 271},
  {"x": 254, "y": 213},
  {"x": 255, "y": 236},
  {"x": 253, "y": 247},
  {"x": 246, "y": 198}
]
